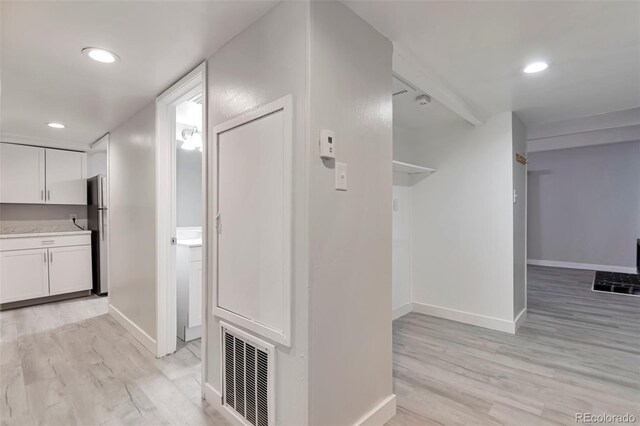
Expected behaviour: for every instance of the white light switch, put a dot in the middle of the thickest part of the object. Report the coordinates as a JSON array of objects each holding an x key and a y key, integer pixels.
[{"x": 341, "y": 176}]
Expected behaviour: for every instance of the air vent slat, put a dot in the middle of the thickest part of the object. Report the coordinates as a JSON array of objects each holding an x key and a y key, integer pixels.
[
  {"x": 263, "y": 406},
  {"x": 240, "y": 367},
  {"x": 229, "y": 395},
  {"x": 251, "y": 384}
]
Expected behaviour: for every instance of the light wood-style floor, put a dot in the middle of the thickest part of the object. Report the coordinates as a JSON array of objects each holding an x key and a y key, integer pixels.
[
  {"x": 70, "y": 363},
  {"x": 578, "y": 351}
]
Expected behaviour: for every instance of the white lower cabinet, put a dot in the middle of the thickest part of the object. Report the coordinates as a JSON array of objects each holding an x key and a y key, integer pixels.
[
  {"x": 189, "y": 286},
  {"x": 44, "y": 266},
  {"x": 23, "y": 275},
  {"x": 69, "y": 269},
  {"x": 195, "y": 294}
]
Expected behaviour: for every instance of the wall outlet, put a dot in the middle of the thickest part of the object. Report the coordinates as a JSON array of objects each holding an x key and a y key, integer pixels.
[{"x": 73, "y": 217}]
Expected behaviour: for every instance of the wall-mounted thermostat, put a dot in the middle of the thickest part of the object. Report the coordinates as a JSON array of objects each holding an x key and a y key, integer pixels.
[{"x": 327, "y": 144}]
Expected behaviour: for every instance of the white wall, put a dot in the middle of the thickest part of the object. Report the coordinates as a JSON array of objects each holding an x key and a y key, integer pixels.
[
  {"x": 463, "y": 241},
  {"x": 342, "y": 298},
  {"x": 402, "y": 248},
  {"x": 519, "y": 142},
  {"x": 132, "y": 237},
  {"x": 584, "y": 205},
  {"x": 263, "y": 63},
  {"x": 188, "y": 188},
  {"x": 350, "y": 232},
  {"x": 96, "y": 164},
  {"x": 22, "y": 216}
]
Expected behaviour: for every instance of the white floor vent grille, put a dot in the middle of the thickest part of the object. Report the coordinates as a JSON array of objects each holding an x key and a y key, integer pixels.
[{"x": 247, "y": 372}]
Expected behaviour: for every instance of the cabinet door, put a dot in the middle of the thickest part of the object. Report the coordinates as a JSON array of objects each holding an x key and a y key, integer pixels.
[
  {"x": 21, "y": 174},
  {"x": 69, "y": 269},
  {"x": 195, "y": 294},
  {"x": 23, "y": 275},
  {"x": 66, "y": 177}
]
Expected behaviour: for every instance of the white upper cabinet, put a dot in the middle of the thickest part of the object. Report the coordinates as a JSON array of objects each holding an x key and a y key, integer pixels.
[
  {"x": 22, "y": 174},
  {"x": 33, "y": 175},
  {"x": 66, "y": 177}
]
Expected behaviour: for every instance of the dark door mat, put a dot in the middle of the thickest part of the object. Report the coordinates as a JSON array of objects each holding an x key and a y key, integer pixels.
[{"x": 616, "y": 282}]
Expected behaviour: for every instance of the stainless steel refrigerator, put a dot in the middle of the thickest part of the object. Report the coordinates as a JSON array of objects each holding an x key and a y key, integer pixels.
[{"x": 98, "y": 215}]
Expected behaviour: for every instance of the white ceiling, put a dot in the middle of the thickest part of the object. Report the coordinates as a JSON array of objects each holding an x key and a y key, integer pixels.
[
  {"x": 478, "y": 48},
  {"x": 46, "y": 78}
]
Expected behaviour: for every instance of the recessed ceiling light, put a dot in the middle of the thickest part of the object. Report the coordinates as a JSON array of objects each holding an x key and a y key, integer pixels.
[
  {"x": 535, "y": 67},
  {"x": 100, "y": 55},
  {"x": 56, "y": 125}
]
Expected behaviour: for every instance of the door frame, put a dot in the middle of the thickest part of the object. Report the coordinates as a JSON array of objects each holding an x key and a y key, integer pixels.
[{"x": 166, "y": 297}]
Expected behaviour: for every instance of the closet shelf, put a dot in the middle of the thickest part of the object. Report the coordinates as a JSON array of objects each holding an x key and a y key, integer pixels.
[{"x": 411, "y": 169}]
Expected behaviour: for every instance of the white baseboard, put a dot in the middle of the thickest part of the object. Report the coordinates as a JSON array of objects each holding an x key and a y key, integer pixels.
[
  {"x": 520, "y": 319},
  {"x": 402, "y": 310},
  {"x": 139, "y": 334},
  {"x": 586, "y": 266},
  {"x": 213, "y": 397},
  {"x": 466, "y": 317},
  {"x": 380, "y": 414}
]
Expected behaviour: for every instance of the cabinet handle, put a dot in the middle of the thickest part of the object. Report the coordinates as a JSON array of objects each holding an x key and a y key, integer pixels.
[
  {"x": 47, "y": 242},
  {"x": 49, "y": 194},
  {"x": 42, "y": 195},
  {"x": 45, "y": 257},
  {"x": 51, "y": 257}
]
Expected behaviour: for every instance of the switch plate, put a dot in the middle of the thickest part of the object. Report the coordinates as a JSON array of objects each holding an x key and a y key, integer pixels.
[{"x": 341, "y": 176}]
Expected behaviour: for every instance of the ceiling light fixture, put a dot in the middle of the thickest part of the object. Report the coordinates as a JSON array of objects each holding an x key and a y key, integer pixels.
[
  {"x": 100, "y": 55},
  {"x": 56, "y": 125},
  {"x": 535, "y": 67}
]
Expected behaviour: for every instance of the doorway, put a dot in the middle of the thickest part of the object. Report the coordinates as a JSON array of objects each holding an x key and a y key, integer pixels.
[{"x": 180, "y": 182}]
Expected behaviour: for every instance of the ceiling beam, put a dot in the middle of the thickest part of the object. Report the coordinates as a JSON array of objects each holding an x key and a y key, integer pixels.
[
  {"x": 43, "y": 142},
  {"x": 587, "y": 138},
  {"x": 413, "y": 72}
]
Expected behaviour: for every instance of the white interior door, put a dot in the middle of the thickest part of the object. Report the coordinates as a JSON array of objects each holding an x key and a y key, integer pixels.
[
  {"x": 23, "y": 275},
  {"x": 69, "y": 269},
  {"x": 254, "y": 202},
  {"x": 21, "y": 174},
  {"x": 66, "y": 177}
]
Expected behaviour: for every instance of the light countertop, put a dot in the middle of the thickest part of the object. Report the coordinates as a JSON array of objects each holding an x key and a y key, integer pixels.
[
  {"x": 41, "y": 231},
  {"x": 193, "y": 242}
]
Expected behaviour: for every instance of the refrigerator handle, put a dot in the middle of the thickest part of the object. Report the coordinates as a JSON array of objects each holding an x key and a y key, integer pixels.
[
  {"x": 103, "y": 185},
  {"x": 101, "y": 224},
  {"x": 99, "y": 187}
]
